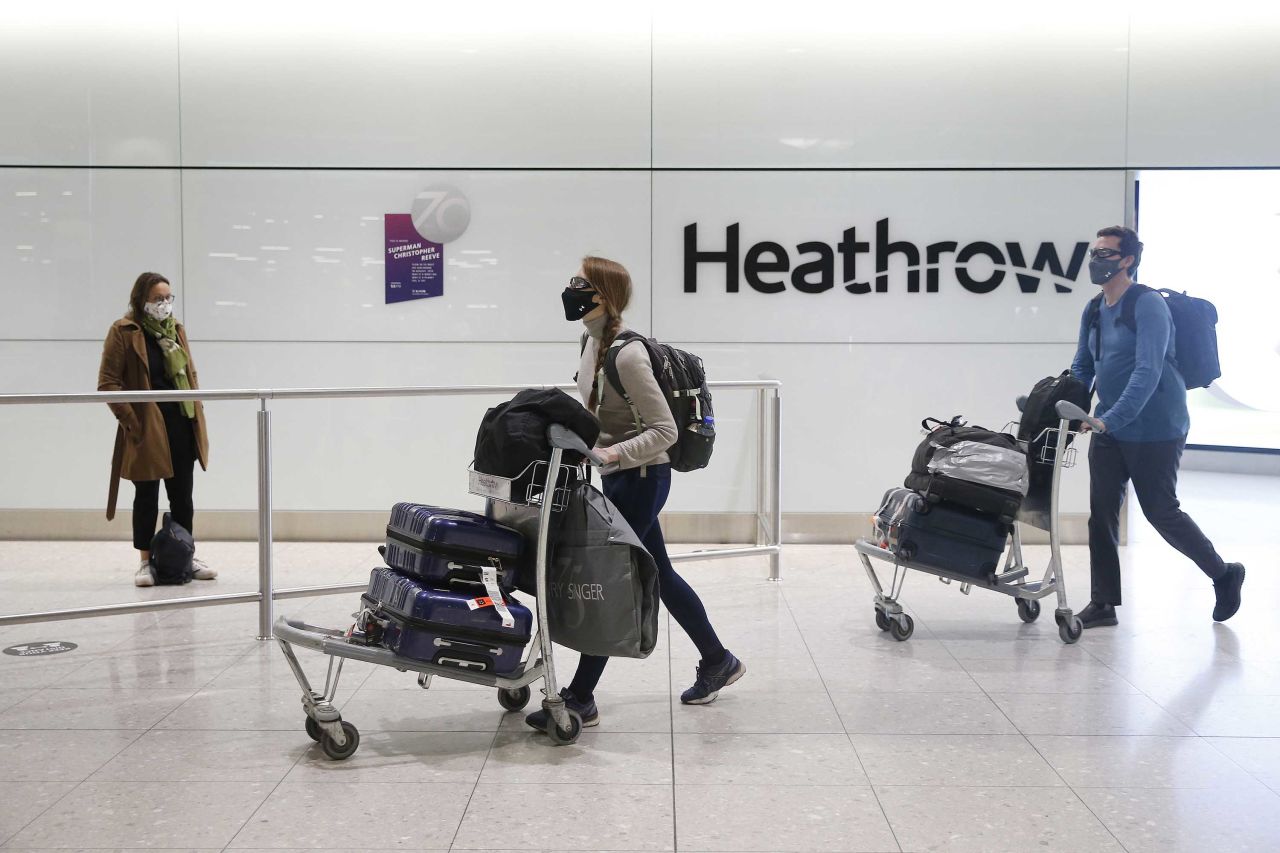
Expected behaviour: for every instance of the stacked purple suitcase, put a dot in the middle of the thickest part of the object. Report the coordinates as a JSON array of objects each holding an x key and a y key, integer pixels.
[{"x": 445, "y": 597}]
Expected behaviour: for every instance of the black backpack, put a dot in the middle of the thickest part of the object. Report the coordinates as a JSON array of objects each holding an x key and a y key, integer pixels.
[
  {"x": 1038, "y": 413},
  {"x": 683, "y": 382},
  {"x": 172, "y": 549},
  {"x": 1194, "y": 331}
]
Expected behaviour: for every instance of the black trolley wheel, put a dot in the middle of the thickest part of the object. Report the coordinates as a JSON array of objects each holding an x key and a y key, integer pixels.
[
  {"x": 882, "y": 621},
  {"x": 314, "y": 731},
  {"x": 514, "y": 700},
  {"x": 1028, "y": 610},
  {"x": 559, "y": 736},
  {"x": 339, "y": 753},
  {"x": 902, "y": 630}
]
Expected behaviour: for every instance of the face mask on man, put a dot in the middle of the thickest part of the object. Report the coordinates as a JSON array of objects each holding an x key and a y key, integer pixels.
[
  {"x": 1103, "y": 269},
  {"x": 159, "y": 310},
  {"x": 577, "y": 303}
]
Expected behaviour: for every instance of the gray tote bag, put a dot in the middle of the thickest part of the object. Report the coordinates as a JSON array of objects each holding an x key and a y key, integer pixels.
[{"x": 602, "y": 596}]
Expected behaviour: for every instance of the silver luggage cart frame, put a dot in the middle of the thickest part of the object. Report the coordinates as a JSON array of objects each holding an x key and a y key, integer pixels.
[
  {"x": 339, "y": 738},
  {"x": 1012, "y": 579}
]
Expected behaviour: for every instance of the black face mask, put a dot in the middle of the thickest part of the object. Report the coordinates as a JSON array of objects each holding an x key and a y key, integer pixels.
[
  {"x": 1102, "y": 270},
  {"x": 577, "y": 303}
]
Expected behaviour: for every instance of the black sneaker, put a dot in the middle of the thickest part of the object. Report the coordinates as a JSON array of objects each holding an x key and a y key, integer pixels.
[
  {"x": 712, "y": 679},
  {"x": 586, "y": 710},
  {"x": 1227, "y": 589},
  {"x": 1098, "y": 615}
]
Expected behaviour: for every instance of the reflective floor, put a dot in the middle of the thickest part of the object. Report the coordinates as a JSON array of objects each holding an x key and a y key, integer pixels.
[{"x": 180, "y": 731}]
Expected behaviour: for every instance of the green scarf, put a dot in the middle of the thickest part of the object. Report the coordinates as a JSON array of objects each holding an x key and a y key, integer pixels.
[{"x": 175, "y": 357}]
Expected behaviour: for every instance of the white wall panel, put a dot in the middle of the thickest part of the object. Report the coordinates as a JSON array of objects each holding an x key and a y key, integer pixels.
[
  {"x": 1203, "y": 85},
  {"x": 89, "y": 84},
  {"x": 72, "y": 242},
  {"x": 416, "y": 85},
  {"x": 292, "y": 255},
  {"x": 1015, "y": 84},
  {"x": 1024, "y": 209}
]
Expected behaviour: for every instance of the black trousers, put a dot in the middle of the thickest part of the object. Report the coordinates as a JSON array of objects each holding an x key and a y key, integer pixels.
[
  {"x": 178, "y": 488},
  {"x": 1153, "y": 468},
  {"x": 640, "y": 499}
]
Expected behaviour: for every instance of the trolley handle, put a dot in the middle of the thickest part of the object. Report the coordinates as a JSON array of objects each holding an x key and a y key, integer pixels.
[
  {"x": 1069, "y": 411},
  {"x": 566, "y": 439}
]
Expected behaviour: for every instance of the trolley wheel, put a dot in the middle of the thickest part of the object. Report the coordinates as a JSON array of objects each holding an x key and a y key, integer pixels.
[
  {"x": 1028, "y": 610},
  {"x": 901, "y": 631},
  {"x": 1070, "y": 630},
  {"x": 559, "y": 736},
  {"x": 314, "y": 731},
  {"x": 882, "y": 621},
  {"x": 338, "y": 753},
  {"x": 514, "y": 700}
]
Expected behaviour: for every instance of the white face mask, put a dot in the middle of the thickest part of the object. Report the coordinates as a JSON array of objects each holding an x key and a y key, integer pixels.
[{"x": 159, "y": 310}]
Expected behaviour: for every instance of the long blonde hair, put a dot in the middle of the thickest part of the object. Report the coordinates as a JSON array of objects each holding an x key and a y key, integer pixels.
[{"x": 612, "y": 281}]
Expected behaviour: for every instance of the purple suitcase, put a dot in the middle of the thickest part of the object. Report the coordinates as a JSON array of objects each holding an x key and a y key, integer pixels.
[
  {"x": 446, "y": 546},
  {"x": 447, "y": 627}
]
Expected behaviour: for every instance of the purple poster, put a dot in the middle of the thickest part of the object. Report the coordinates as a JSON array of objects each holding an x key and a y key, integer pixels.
[{"x": 415, "y": 266}]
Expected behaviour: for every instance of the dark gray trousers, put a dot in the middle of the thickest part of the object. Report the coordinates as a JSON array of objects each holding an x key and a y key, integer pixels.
[{"x": 1153, "y": 468}]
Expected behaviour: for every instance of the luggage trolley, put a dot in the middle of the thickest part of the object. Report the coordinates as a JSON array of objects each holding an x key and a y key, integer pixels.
[
  {"x": 339, "y": 738},
  {"x": 1039, "y": 510}
]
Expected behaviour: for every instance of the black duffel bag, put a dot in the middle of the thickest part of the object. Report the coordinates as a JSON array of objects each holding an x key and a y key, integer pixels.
[
  {"x": 970, "y": 466},
  {"x": 513, "y": 435}
]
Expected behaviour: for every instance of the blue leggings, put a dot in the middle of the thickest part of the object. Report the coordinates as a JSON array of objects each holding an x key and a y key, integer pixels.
[{"x": 640, "y": 499}]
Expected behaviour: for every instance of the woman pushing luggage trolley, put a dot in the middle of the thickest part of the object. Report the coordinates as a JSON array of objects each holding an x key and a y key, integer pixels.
[
  {"x": 961, "y": 560},
  {"x": 338, "y": 738}
]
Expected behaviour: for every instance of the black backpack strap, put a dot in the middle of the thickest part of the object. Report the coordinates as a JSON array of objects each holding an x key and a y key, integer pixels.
[
  {"x": 611, "y": 362},
  {"x": 1094, "y": 312},
  {"x": 581, "y": 349},
  {"x": 611, "y": 371},
  {"x": 1128, "y": 307}
]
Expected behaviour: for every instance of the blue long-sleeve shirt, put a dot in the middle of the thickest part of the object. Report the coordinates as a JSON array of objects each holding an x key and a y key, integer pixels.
[{"x": 1141, "y": 395}]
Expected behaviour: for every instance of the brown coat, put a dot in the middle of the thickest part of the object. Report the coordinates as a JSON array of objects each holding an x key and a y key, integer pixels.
[{"x": 142, "y": 443}]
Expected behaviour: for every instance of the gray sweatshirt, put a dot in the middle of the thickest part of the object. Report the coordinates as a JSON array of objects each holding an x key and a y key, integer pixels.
[{"x": 636, "y": 447}]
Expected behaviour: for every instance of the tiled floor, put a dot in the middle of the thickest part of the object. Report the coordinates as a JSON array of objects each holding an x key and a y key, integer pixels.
[{"x": 179, "y": 731}]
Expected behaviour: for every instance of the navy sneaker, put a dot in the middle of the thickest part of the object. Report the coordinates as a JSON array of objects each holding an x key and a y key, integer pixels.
[
  {"x": 712, "y": 679},
  {"x": 1227, "y": 589},
  {"x": 1097, "y": 615},
  {"x": 586, "y": 710}
]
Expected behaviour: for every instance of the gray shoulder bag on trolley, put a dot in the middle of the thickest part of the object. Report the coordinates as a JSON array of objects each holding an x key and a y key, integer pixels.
[{"x": 602, "y": 583}]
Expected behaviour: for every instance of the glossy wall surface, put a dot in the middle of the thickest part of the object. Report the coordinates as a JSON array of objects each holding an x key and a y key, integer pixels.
[{"x": 251, "y": 156}]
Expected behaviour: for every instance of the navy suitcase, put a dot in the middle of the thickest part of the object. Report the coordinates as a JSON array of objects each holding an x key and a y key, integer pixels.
[
  {"x": 951, "y": 539},
  {"x": 446, "y": 546},
  {"x": 447, "y": 627}
]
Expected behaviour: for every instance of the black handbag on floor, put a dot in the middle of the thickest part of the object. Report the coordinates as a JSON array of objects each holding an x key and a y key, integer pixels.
[{"x": 172, "y": 550}]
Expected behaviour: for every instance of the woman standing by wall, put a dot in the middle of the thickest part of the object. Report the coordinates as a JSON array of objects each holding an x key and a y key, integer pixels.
[{"x": 147, "y": 350}]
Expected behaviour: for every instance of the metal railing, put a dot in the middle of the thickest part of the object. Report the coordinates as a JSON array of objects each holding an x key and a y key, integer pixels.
[{"x": 768, "y": 539}]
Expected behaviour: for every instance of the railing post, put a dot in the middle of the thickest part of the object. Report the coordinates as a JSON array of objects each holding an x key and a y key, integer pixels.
[
  {"x": 266, "y": 602},
  {"x": 775, "y": 487},
  {"x": 762, "y": 467}
]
